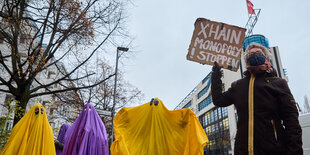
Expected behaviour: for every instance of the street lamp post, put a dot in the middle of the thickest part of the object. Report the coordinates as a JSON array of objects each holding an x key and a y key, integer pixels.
[{"x": 124, "y": 49}]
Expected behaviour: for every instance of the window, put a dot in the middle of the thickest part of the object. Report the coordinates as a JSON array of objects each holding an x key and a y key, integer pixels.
[
  {"x": 215, "y": 114},
  {"x": 202, "y": 92},
  {"x": 216, "y": 127},
  {"x": 221, "y": 125},
  {"x": 205, "y": 121},
  {"x": 220, "y": 113},
  {"x": 205, "y": 102},
  {"x": 211, "y": 117},
  {"x": 224, "y": 111},
  {"x": 205, "y": 89},
  {"x": 225, "y": 124},
  {"x": 207, "y": 118},
  {"x": 206, "y": 78},
  {"x": 211, "y": 143},
  {"x": 202, "y": 120},
  {"x": 208, "y": 129},
  {"x": 188, "y": 105}
]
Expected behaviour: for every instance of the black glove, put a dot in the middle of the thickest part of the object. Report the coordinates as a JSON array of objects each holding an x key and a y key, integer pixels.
[
  {"x": 216, "y": 70},
  {"x": 216, "y": 84},
  {"x": 216, "y": 67}
]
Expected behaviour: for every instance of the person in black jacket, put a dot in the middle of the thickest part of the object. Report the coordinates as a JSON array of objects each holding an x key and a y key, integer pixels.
[{"x": 267, "y": 113}]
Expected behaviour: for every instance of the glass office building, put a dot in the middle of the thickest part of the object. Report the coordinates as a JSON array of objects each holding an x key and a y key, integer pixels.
[
  {"x": 216, "y": 125},
  {"x": 257, "y": 38}
]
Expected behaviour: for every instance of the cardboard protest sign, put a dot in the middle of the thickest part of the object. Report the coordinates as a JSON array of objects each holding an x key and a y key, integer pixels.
[{"x": 214, "y": 41}]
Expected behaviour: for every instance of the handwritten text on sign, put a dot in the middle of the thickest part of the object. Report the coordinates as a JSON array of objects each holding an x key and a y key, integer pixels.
[{"x": 214, "y": 41}]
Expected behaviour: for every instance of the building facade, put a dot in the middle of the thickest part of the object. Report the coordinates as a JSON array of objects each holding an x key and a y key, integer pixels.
[
  {"x": 304, "y": 121},
  {"x": 220, "y": 123}
]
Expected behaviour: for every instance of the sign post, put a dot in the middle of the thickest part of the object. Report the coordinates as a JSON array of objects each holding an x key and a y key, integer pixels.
[{"x": 214, "y": 41}]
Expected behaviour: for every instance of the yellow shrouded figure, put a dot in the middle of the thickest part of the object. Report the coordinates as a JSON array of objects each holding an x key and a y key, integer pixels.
[
  {"x": 152, "y": 129},
  {"x": 32, "y": 135}
]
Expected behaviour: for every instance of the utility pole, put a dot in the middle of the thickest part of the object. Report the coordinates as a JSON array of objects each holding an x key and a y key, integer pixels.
[{"x": 124, "y": 49}]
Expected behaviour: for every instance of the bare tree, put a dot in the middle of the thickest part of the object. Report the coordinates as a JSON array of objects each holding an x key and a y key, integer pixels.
[
  {"x": 67, "y": 106},
  {"x": 101, "y": 96},
  {"x": 38, "y": 35}
]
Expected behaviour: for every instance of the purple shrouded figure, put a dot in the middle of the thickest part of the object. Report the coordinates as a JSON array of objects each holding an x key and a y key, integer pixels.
[
  {"x": 87, "y": 135},
  {"x": 61, "y": 136}
]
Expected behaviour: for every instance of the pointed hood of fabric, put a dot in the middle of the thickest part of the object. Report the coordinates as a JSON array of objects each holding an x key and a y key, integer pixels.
[
  {"x": 87, "y": 135},
  {"x": 61, "y": 136},
  {"x": 31, "y": 135},
  {"x": 153, "y": 129}
]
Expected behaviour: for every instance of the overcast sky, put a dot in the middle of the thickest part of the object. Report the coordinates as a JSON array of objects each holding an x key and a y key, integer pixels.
[{"x": 163, "y": 30}]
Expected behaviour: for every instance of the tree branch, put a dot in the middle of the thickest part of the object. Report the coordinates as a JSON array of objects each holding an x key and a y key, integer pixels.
[{"x": 68, "y": 89}]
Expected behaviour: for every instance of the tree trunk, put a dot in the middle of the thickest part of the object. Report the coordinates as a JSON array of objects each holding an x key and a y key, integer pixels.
[
  {"x": 17, "y": 115},
  {"x": 20, "y": 109}
]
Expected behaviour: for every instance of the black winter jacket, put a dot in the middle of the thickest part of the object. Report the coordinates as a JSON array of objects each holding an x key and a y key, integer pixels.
[{"x": 267, "y": 114}]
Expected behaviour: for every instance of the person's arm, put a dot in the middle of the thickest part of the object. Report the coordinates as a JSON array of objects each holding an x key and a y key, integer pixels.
[
  {"x": 289, "y": 115},
  {"x": 219, "y": 98}
]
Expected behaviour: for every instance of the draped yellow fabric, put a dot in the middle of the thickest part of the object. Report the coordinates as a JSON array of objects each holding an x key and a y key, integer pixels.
[
  {"x": 32, "y": 135},
  {"x": 155, "y": 130}
]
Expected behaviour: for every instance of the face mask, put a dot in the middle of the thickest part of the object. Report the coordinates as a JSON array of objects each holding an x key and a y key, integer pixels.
[{"x": 256, "y": 60}]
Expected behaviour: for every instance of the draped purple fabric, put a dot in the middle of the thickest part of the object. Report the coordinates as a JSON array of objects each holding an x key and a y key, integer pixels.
[
  {"x": 61, "y": 136},
  {"x": 87, "y": 135}
]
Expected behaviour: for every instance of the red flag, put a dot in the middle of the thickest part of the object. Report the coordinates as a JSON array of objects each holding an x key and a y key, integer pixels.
[{"x": 250, "y": 7}]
